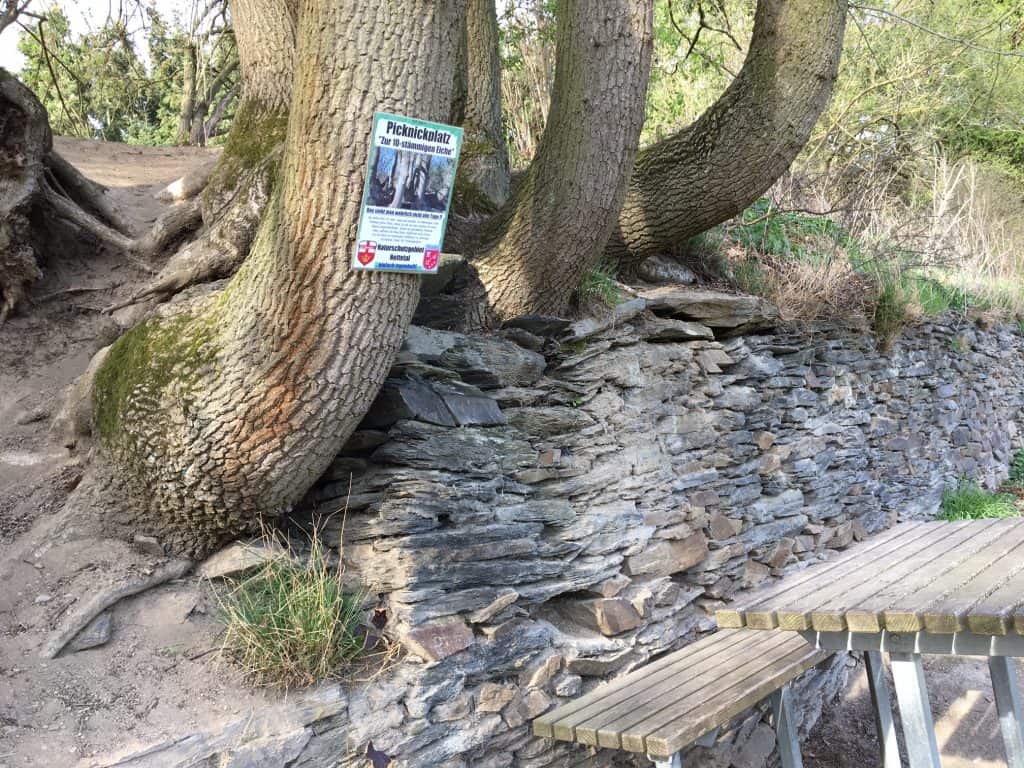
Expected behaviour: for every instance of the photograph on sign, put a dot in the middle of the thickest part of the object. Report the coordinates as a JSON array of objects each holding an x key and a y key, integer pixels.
[{"x": 410, "y": 175}]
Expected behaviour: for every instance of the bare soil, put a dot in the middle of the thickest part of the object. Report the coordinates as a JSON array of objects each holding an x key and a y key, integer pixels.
[
  {"x": 160, "y": 674},
  {"x": 966, "y": 722}
]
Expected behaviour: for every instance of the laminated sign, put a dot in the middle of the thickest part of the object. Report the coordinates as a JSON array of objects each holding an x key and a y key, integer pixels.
[{"x": 409, "y": 178}]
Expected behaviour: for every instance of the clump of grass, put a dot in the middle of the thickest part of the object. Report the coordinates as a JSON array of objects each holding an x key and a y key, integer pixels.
[
  {"x": 968, "y": 501},
  {"x": 291, "y": 623},
  {"x": 1016, "y": 478},
  {"x": 600, "y": 285}
]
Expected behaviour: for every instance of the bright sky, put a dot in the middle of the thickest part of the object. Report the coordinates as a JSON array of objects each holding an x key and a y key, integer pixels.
[{"x": 90, "y": 14}]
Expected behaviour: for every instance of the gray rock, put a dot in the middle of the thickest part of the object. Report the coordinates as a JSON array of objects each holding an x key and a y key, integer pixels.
[
  {"x": 540, "y": 325},
  {"x": 239, "y": 557},
  {"x": 96, "y": 633},
  {"x": 661, "y": 269},
  {"x": 492, "y": 362},
  {"x": 717, "y": 310},
  {"x": 670, "y": 329},
  {"x": 400, "y": 400}
]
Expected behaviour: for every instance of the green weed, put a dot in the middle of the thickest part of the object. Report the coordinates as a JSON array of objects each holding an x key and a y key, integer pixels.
[
  {"x": 291, "y": 624},
  {"x": 968, "y": 501},
  {"x": 600, "y": 284}
]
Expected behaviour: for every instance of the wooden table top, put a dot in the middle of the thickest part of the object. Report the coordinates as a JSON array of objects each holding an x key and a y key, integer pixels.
[{"x": 936, "y": 577}]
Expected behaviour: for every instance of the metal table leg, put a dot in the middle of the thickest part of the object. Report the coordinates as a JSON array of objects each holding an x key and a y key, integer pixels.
[
  {"x": 785, "y": 728},
  {"x": 1004, "y": 686},
  {"x": 883, "y": 709},
  {"x": 915, "y": 710},
  {"x": 667, "y": 762}
]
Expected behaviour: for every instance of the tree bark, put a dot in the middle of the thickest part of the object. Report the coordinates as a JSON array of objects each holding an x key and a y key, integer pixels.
[
  {"x": 557, "y": 223},
  {"x": 715, "y": 168},
  {"x": 224, "y": 409},
  {"x": 484, "y": 159},
  {"x": 188, "y": 98},
  {"x": 241, "y": 183}
]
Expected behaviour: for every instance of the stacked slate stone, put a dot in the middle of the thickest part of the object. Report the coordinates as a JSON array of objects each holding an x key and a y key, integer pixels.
[{"x": 545, "y": 508}]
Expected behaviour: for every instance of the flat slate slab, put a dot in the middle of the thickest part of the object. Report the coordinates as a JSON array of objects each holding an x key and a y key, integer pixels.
[
  {"x": 938, "y": 577},
  {"x": 669, "y": 703}
]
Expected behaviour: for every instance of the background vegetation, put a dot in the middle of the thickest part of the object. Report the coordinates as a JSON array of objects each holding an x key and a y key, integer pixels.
[{"x": 907, "y": 200}]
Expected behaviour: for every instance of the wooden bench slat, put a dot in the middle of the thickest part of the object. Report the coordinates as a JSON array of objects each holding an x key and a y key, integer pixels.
[
  {"x": 908, "y": 614},
  {"x": 662, "y": 731},
  {"x": 733, "y": 617},
  {"x": 560, "y": 723},
  {"x": 699, "y": 679},
  {"x": 605, "y": 728},
  {"x": 991, "y": 616},
  {"x": 825, "y": 611},
  {"x": 948, "y": 615},
  {"x": 866, "y": 616}
]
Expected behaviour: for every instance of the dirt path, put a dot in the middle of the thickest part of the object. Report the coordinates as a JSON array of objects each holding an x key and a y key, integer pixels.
[{"x": 156, "y": 677}]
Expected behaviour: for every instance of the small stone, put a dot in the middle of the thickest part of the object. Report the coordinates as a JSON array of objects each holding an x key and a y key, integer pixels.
[
  {"x": 542, "y": 675},
  {"x": 665, "y": 558},
  {"x": 96, "y": 633},
  {"x": 671, "y": 329},
  {"x": 764, "y": 440},
  {"x": 31, "y": 416},
  {"x": 149, "y": 544},
  {"x": 42, "y": 599},
  {"x": 609, "y": 616},
  {"x": 493, "y": 697},
  {"x": 661, "y": 269},
  {"x": 569, "y": 685},
  {"x": 500, "y": 603},
  {"x": 239, "y": 557},
  {"x": 438, "y": 640},
  {"x": 526, "y": 707},
  {"x": 720, "y": 526},
  {"x": 611, "y": 587}
]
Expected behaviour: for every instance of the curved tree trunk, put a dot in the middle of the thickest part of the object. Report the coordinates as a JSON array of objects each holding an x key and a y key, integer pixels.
[
  {"x": 556, "y": 225},
  {"x": 226, "y": 409},
  {"x": 483, "y": 165},
  {"x": 239, "y": 186},
  {"x": 719, "y": 165}
]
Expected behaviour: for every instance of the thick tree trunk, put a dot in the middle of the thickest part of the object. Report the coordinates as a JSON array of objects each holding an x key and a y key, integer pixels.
[
  {"x": 715, "y": 168},
  {"x": 39, "y": 192},
  {"x": 484, "y": 163},
  {"x": 241, "y": 183},
  {"x": 227, "y": 408},
  {"x": 24, "y": 143},
  {"x": 558, "y": 222}
]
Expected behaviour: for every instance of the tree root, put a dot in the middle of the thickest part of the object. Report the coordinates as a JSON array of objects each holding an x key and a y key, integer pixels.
[
  {"x": 188, "y": 186},
  {"x": 85, "y": 613}
]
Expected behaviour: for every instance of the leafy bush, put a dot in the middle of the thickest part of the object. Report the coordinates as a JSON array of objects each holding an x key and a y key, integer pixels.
[
  {"x": 292, "y": 624},
  {"x": 968, "y": 501}
]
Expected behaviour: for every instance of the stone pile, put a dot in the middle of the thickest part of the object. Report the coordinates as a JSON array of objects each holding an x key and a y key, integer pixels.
[{"x": 538, "y": 515}]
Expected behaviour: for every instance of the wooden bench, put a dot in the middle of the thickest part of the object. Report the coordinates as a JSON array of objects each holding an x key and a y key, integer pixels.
[{"x": 686, "y": 696}]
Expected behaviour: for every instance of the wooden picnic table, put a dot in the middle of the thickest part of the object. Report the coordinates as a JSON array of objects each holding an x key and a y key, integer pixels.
[{"x": 938, "y": 587}]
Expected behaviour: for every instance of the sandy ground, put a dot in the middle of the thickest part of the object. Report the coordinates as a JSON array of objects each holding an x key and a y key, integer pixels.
[
  {"x": 159, "y": 676},
  {"x": 966, "y": 723}
]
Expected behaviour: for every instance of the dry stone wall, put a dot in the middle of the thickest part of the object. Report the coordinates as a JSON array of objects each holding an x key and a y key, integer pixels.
[{"x": 536, "y": 516}]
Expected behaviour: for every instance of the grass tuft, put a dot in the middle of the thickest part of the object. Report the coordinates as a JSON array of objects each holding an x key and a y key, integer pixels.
[
  {"x": 600, "y": 285},
  {"x": 968, "y": 501},
  {"x": 291, "y": 624}
]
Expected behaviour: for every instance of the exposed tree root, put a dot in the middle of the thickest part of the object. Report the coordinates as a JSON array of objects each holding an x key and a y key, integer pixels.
[
  {"x": 79, "y": 618},
  {"x": 189, "y": 185}
]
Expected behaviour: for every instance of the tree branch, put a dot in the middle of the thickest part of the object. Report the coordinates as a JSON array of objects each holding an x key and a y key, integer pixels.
[{"x": 935, "y": 32}]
